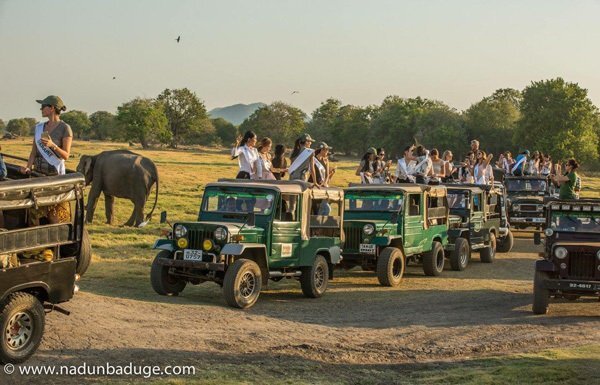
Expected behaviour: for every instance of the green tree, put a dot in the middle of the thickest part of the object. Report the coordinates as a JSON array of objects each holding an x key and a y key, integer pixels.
[
  {"x": 187, "y": 117},
  {"x": 398, "y": 122},
  {"x": 31, "y": 122},
  {"x": 226, "y": 131},
  {"x": 103, "y": 126},
  {"x": 80, "y": 123},
  {"x": 144, "y": 120},
  {"x": 558, "y": 118},
  {"x": 321, "y": 125},
  {"x": 279, "y": 121},
  {"x": 493, "y": 120},
  {"x": 350, "y": 131},
  {"x": 2, "y": 125},
  {"x": 18, "y": 126}
]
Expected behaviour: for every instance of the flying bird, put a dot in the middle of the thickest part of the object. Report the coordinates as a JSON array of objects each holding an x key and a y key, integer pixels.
[
  {"x": 295, "y": 92},
  {"x": 114, "y": 77},
  {"x": 178, "y": 38}
]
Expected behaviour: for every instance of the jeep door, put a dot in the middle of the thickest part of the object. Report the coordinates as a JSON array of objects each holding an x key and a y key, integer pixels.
[
  {"x": 477, "y": 218},
  {"x": 287, "y": 232},
  {"x": 414, "y": 238}
]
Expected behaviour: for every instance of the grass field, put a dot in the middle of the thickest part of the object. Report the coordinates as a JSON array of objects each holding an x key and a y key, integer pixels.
[{"x": 122, "y": 257}]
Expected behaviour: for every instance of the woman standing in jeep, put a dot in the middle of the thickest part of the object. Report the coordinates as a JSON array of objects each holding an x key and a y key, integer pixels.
[
  {"x": 567, "y": 182},
  {"x": 52, "y": 140}
]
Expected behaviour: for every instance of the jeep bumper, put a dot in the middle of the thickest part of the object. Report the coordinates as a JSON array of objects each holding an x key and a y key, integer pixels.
[
  {"x": 212, "y": 266},
  {"x": 567, "y": 285}
]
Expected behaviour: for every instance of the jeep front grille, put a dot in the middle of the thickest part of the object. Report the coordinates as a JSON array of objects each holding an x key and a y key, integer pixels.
[
  {"x": 353, "y": 238},
  {"x": 196, "y": 237},
  {"x": 528, "y": 208},
  {"x": 582, "y": 265}
]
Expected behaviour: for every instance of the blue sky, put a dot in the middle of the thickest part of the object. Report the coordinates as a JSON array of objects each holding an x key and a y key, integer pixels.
[{"x": 259, "y": 51}]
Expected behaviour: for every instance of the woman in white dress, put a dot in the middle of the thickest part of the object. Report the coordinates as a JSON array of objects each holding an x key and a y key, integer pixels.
[
  {"x": 264, "y": 152},
  {"x": 247, "y": 156}
]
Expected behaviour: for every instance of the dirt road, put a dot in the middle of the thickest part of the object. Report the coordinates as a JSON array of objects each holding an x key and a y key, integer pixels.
[{"x": 483, "y": 310}]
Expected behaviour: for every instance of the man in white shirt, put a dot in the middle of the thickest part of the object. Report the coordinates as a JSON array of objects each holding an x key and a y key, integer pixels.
[{"x": 405, "y": 168}]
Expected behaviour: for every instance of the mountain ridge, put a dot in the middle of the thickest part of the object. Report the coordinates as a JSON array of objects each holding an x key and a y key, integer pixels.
[{"x": 235, "y": 113}]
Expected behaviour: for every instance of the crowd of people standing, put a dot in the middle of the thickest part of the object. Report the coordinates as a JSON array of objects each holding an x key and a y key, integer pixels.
[{"x": 416, "y": 165}]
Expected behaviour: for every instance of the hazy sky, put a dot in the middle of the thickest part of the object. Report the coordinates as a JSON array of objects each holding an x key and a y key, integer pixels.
[{"x": 259, "y": 51}]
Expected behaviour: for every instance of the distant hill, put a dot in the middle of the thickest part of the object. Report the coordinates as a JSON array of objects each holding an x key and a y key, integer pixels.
[{"x": 235, "y": 114}]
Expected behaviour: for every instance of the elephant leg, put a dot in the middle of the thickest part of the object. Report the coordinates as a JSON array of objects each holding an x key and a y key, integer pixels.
[
  {"x": 92, "y": 201},
  {"x": 109, "y": 202},
  {"x": 131, "y": 219}
]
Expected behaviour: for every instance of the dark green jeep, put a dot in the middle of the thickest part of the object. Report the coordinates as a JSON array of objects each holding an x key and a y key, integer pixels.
[
  {"x": 570, "y": 267},
  {"x": 387, "y": 225},
  {"x": 475, "y": 224},
  {"x": 526, "y": 198},
  {"x": 249, "y": 232}
]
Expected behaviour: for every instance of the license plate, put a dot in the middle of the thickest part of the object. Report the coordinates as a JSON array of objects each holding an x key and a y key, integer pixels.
[
  {"x": 192, "y": 255},
  {"x": 367, "y": 248}
]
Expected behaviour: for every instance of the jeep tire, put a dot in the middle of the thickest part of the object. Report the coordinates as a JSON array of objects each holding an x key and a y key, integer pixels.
[
  {"x": 162, "y": 282},
  {"x": 242, "y": 283},
  {"x": 541, "y": 296},
  {"x": 390, "y": 266},
  {"x": 505, "y": 244},
  {"x": 460, "y": 256},
  {"x": 488, "y": 253},
  {"x": 314, "y": 279},
  {"x": 22, "y": 321},
  {"x": 433, "y": 261},
  {"x": 84, "y": 258}
]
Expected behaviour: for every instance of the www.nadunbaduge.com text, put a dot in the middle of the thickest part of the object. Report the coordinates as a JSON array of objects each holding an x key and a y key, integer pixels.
[{"x": 105, "y": 370}]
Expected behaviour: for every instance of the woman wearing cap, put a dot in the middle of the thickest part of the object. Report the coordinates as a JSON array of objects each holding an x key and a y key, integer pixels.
[
  {"x": 303, "y": 165},
  {"x": 367, "y": 165},
  {"x": 248, "y": 158},
  {"x": 264, "y": 152},
  {"x": 51, "y": 147},
  {"x": 322, "y": 170},
  {"x": 52, "y": 140}
]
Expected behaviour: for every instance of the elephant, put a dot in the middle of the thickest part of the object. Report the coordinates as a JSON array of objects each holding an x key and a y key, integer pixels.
[{"x": 121, "y": 174}]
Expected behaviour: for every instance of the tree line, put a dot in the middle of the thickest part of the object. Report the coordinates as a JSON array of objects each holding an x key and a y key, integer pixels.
[{"x": 552, "y": 116}]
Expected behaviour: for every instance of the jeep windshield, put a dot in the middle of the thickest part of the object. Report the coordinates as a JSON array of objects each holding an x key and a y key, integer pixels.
[
  {"x": 458, "y": 200},
  {"x": 576, "y": 222},
  {"x": 373, "y": 202},
  {"x": 238, "y": 202},
  {"x": 527, "y": 185}
]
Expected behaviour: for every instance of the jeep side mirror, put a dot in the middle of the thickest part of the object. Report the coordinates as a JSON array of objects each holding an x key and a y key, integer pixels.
[
  {"x": 394, "y": 217},
  {"x": 163, "y": 217},
  {"x": 251, "y": 222},
  {"x": 537, "y": 238}
]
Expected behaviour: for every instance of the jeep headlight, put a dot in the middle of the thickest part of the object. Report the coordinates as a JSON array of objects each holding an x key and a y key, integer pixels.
[
  {"x": 369, "y": 229},
  {"x": 548, "y": 232},
  {"x": 221, "y": 234},
  {"x": 180, "y": 231},
  {"x": 560, "y": 252},
  {"x": 207, "y": 245}
]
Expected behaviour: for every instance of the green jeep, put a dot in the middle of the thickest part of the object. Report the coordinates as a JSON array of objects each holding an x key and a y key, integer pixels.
[
  {"x": 248, "y": 232},
  {"x": 388, "y": 225},
  {"x": 570, "y": 264},
  {"x": 475, "y": 224}
]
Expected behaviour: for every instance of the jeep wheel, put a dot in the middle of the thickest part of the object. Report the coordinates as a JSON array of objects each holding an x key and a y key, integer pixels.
[
  {"x": 505, "y": 244},
  {"x": 314, "y": 279},
  {"x": 459, "y": 259},
  {"x": 390, "y": 266},
  {"x": 84, "y": 258},
  {"x": 22, "y": 325},
  {"x": 541, "y": 296},
  {"x": 162, "y": 282},
  {"x": 242, "y": 284},
  {"x": 433, "y": 261},
  {"x": 488, "y": 253}
]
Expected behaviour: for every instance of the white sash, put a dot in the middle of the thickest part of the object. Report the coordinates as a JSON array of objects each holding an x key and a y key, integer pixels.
[
  {"x": 302, "y": 157},
  {"x": 321, "y": 169},
  {"x": 46, "y": 152},
  {"x": 523, "y": 159}
]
